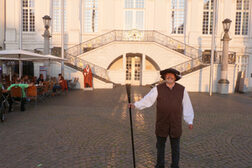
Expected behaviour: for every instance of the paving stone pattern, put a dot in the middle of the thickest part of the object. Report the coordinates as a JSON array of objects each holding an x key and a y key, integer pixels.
[{"x": 91, "y": 130}]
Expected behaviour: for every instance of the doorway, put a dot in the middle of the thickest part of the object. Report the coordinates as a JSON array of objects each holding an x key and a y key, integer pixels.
[{"x": 133, "y": 69}]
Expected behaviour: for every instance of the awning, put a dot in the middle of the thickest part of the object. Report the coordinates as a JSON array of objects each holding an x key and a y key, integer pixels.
[{"x": 23, "y": 55}]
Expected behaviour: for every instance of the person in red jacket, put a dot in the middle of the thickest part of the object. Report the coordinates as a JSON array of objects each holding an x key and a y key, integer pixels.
[{"x": 88, "y": 77}]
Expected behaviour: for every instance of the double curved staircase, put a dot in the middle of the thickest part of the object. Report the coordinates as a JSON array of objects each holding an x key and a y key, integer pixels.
[{"x": 74, "y": 61}]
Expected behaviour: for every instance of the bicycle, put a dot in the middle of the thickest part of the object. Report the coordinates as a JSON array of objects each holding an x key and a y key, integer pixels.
[{"x": 4, "y": 106}]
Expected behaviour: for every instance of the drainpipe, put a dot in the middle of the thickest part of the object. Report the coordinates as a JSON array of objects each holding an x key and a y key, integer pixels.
[
  {"x": 80, "y": 15},
  {"x": 185, "y": 25},
  {"x": 20, "y": 25},
  {"x": 62, "y": 37},
  {"x": 4, "y": 47},
  {"x": 20, "y": 38},
  {"x": 213, "y": 45}
]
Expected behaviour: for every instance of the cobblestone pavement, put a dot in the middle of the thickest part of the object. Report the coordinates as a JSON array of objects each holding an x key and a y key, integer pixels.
[{"x": 91, "y": 129}]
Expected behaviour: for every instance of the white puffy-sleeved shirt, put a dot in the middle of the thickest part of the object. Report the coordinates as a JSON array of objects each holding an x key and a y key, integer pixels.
[{"x": 149, "y": 99}]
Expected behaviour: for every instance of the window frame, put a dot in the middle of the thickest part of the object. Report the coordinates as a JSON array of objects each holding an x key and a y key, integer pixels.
[
  {"x": 30, "y": 6},
  {"x": 134, "y": 11},
  {"x": 242, "y": 11},
  {"x": 178, "y": 9},
  {"x": 96, "y": 21},
  {"x": 56, "y": 31},
  {"x": 210, "y": 18}
]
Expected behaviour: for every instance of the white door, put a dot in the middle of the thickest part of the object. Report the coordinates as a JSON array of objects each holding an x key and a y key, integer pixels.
[
  {"x": 133, "y": 70},
  {"x": 242, "y": 62}
]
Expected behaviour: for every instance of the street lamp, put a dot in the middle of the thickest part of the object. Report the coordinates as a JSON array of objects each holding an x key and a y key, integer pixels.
[
  {"x": 223, "y": 83},
  {"x": 47, "y": 21},
  {"x": 226, "y": 25},
  {"x": 47, "y": 36}
]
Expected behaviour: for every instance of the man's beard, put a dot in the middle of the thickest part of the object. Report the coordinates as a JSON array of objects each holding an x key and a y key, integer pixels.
[{"x": 169, "y": 81}]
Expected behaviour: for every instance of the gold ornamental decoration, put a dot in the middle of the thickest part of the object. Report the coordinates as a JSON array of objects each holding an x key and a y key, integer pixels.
[{"x": 133, "y": 35}]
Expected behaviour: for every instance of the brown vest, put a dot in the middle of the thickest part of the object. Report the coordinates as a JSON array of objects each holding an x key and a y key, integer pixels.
[{"x": 169, "y": 110}]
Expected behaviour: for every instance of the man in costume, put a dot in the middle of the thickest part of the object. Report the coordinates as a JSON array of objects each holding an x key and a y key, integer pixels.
[
  {"x": 173, "y": 103},
  {"x": 87, "y": 77}
]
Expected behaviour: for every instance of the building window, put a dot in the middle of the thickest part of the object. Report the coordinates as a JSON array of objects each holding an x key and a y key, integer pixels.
[
  {"x": 134, "y": 4},
  {"x": 57, "y": 16},
  {"x": 91, "y": 16},
  {"x": 128, "y": 20},
  {"x": 134, "y": 14},
  {"x": 177, "y": 17},
  {"x": 28, "y": 16},
  {"x": 207, "y": 25},
  {"x": 242, "y": 17}
]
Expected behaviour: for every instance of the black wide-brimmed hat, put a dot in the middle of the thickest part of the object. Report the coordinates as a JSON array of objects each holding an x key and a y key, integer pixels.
[{"x": 170, "y": 70}]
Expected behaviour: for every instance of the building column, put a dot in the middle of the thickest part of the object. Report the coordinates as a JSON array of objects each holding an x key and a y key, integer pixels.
[
  {"x": 124, "y": 68},
  {"x": 143, "y": 62},
  {"x": 250, "y": 72},
  {"x": 143, "y": 68}
]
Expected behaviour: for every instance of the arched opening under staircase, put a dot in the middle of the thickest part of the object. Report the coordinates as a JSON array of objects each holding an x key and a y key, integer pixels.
[{"x": 133, "y": 68}]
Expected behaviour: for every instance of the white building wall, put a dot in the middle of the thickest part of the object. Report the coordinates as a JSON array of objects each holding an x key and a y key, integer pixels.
[
  {"x": 111, "y": 16},
  {"x": 36, "y": 66},
  {"x": 2, "y": 23},
  {"x": 12, "y": 28},
  {"x": 150, "y": 77},
  {"x": 250, "y": 72},
  {"x": 117, "y": 76},
  {"x": 163, "y": 56},
  {"x": 70, "y": 74},
  {"x": 198, "y": 81}
]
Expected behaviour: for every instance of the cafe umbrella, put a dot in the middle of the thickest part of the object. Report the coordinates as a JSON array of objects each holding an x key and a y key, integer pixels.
[
  {"x": 23, "y": 55},
  {"x": 18, "y": 55}
]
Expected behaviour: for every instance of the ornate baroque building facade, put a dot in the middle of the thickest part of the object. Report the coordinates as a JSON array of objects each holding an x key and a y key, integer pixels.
[{"x": 130, "y": 41}]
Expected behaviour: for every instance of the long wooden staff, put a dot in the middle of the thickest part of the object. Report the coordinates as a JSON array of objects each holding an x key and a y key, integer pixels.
[{"x": 128, "y": 88}]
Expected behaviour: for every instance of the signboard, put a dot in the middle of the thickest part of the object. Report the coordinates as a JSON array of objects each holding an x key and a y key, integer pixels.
[{"x": 43, "y": 70}]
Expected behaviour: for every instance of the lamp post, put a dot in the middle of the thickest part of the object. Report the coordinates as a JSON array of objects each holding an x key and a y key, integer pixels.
[
  {"x": 223, "y": 83},
  {"x": 47, "y": 36}
]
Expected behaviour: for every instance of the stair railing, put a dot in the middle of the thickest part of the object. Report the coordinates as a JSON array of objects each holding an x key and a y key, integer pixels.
[
  {"x": 134, "y": 36},
  {"x": 189, "y": 65},
  {"x": 91, "y": 44},
  {"x": 80, "y": 63}
]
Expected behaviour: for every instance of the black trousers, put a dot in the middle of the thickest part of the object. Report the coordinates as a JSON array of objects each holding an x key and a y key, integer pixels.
[
  {"x": 160, "y": 145},
  {"x": 22, "y": 107}
]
